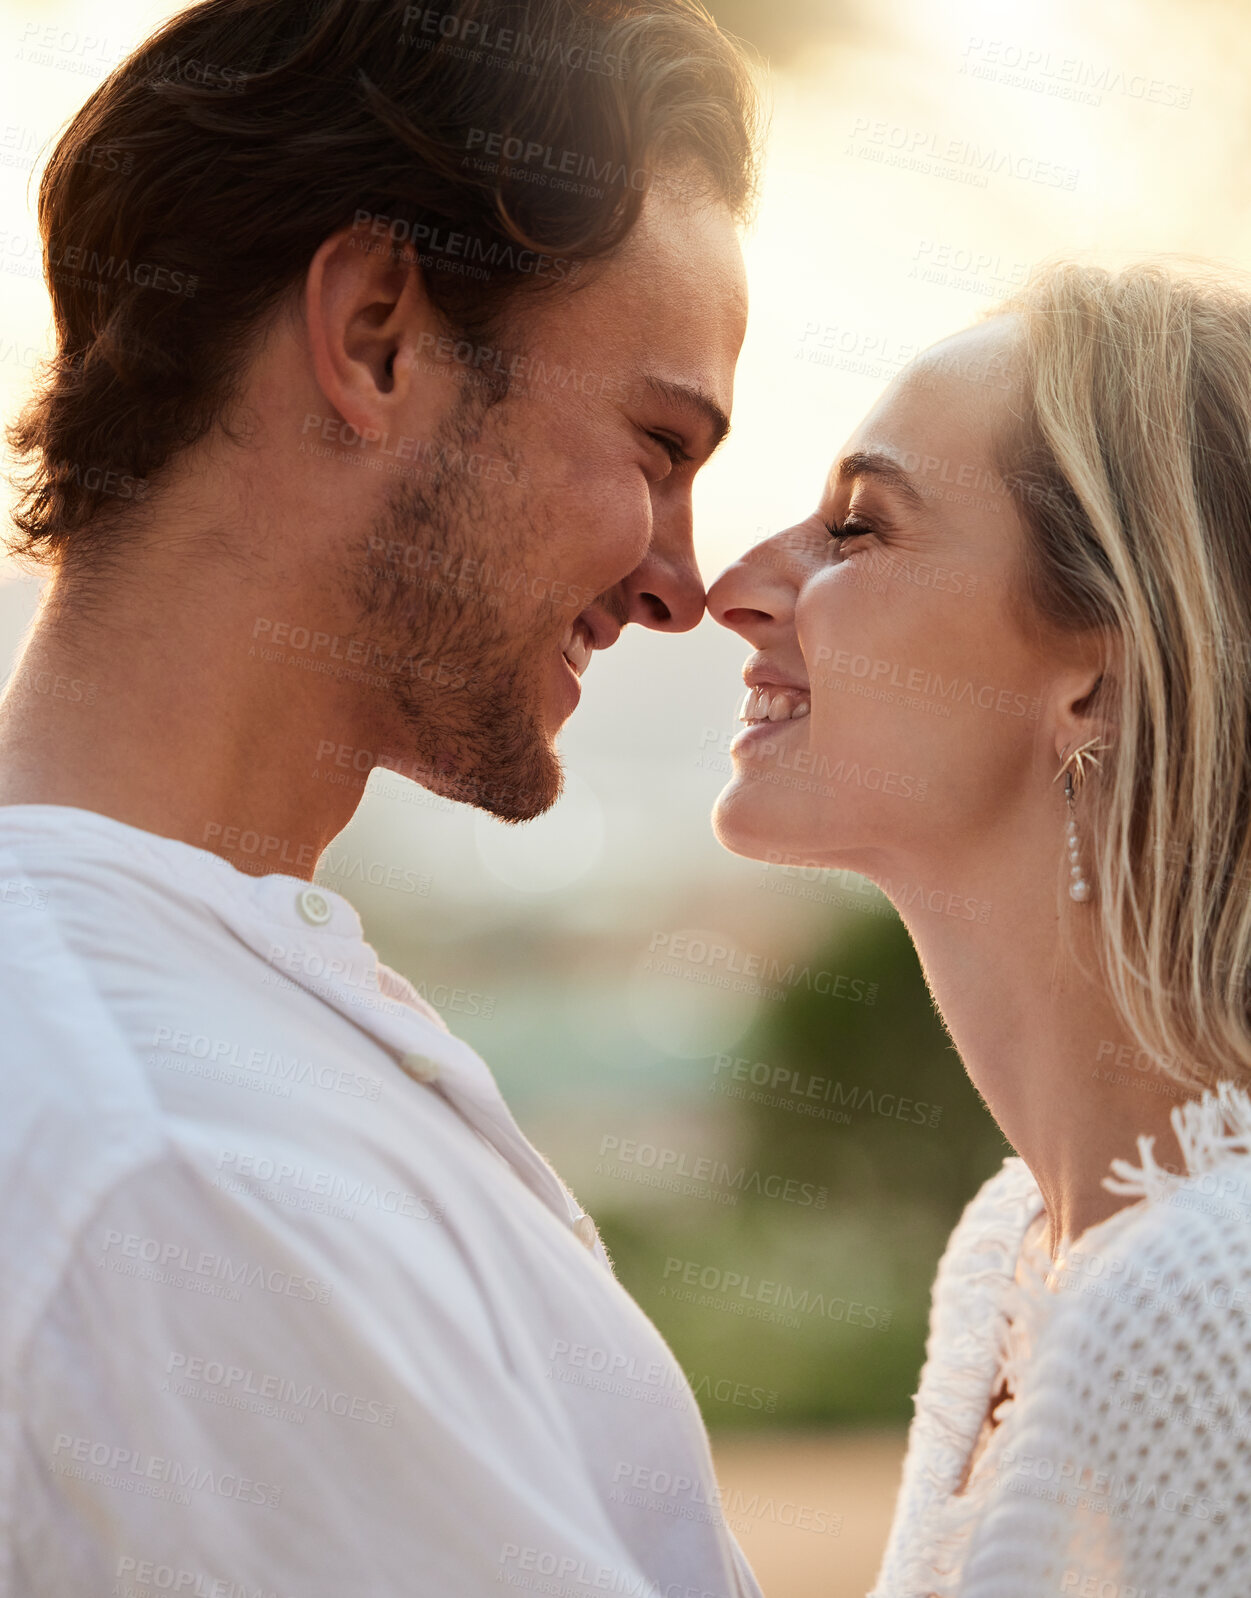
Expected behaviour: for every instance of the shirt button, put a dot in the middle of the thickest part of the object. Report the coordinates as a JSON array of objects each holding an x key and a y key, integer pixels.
[
  {"x": 420, "y": 1067},
  {"x": 314, "y": 907},
  {"x": 584, "y": 1231}
]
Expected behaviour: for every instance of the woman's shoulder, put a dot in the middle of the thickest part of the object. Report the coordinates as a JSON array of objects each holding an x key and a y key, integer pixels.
[
  {"x": 1129, "y": 1442},
  {"x": 994, "y": 1219},
  {"x": 977, "y": 1265}
]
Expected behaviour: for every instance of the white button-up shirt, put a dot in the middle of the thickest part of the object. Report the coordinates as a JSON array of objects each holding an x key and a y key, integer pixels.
[{"x": 291, "y": 1308}]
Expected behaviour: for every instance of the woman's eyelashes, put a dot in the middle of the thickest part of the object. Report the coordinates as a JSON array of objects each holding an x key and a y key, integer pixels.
[{"x": 849, "y": 528}]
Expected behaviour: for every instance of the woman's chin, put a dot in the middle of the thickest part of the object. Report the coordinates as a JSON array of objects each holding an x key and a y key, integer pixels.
[{"x": 746, "y": 822}]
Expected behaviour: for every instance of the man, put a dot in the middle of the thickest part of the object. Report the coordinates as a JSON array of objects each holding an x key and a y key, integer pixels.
[{"x": 388, "y": 343}]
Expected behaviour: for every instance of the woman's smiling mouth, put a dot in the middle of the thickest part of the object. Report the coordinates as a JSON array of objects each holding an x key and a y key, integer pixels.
[{"x": 770, "y": 702}]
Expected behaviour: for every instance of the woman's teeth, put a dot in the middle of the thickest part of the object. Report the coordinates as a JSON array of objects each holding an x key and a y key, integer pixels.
[
  {"x": 579, "y": 649},
  {"x": 775, "y": 704}
]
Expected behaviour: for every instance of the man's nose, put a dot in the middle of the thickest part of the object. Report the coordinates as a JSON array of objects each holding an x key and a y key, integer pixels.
[{"x": 665, "y": 590}]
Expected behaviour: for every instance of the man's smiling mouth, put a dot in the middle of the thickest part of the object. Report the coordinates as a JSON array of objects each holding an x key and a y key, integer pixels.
[{"x": 579, "y": 646}]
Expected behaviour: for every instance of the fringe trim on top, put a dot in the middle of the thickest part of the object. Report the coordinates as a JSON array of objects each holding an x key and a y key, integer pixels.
[
  {"x": 986, "y": 1327},
  {"x": 1208, "y": 1130}
]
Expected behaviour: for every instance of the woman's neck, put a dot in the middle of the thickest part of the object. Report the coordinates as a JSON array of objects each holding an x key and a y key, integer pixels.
[{"x": 1044, "y": 1046}]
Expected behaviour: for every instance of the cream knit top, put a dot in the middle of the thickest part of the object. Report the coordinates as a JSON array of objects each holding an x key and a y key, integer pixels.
[{"x": 1121, "y": 1464}]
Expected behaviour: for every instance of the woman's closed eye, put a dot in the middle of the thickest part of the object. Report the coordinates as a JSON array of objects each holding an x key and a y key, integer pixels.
[{"x": 849, "y": 529}]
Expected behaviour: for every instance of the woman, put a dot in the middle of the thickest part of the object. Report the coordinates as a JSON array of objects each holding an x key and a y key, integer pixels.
[{"x": 1028, "y": 585}]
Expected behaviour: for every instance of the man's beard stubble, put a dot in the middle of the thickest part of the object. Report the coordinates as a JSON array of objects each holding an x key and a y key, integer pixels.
[{"x": 472, "y": 729}]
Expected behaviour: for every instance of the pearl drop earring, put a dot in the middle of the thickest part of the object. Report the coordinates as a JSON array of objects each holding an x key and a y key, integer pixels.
[{"x": 1079, "y": 888}]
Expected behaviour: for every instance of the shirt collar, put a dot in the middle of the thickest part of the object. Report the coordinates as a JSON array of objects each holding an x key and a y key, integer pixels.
[{"x": 313, "y": 937}]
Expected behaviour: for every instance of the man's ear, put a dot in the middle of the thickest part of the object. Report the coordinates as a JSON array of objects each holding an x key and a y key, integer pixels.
[{"x": 368, "y": 317}]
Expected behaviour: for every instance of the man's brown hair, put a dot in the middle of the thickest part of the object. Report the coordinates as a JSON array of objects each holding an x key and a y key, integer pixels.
[{"x": 507, "y": 142}]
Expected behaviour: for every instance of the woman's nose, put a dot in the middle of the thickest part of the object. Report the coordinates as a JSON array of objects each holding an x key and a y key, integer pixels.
[{"x": 755, "y": 596}]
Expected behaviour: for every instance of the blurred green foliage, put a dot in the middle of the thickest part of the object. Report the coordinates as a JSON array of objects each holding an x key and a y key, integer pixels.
[{"x": 902, "y": 1142}]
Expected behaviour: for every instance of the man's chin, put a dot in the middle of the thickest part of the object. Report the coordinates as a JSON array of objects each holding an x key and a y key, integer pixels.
[{"x": 525, "y": 786}]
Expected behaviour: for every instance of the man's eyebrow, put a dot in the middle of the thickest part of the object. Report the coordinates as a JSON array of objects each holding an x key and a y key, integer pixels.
[
  {"x": 872, "y": 463},
  {"x": 685, "y": 397}
]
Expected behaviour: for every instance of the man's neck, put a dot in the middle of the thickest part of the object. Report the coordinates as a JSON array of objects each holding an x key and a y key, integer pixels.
[{"x": 189, "y": 723}]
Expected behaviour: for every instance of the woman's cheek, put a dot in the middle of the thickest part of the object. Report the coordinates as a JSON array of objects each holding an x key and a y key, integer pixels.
[{"x": 826, "y": 624}]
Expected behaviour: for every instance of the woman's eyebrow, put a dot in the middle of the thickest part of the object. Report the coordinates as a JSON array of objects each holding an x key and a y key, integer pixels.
[{"x": 874, "y": 463}]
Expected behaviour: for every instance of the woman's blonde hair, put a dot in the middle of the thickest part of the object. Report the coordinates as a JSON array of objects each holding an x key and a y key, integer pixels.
[{"x": 1132, "y": 467}]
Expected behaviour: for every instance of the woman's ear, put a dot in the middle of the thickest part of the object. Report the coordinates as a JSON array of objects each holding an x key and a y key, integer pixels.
[{"x": 1082, "y": 706}]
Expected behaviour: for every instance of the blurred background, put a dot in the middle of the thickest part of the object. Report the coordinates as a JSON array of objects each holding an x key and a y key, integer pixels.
[{"x": 922, "y": 158}]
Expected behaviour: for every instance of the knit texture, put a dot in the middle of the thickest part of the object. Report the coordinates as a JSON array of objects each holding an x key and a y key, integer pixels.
[{"x": 1121, "y": 1464}]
